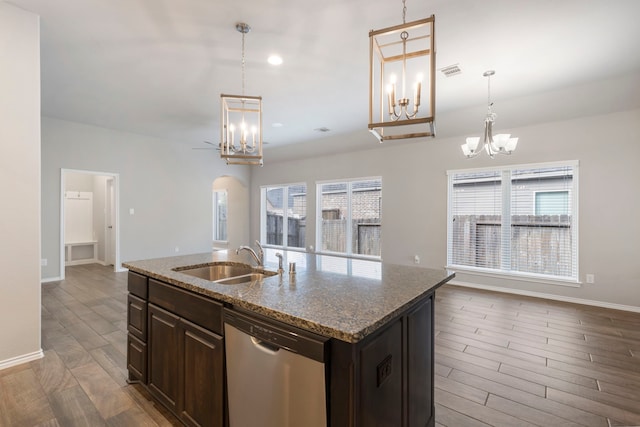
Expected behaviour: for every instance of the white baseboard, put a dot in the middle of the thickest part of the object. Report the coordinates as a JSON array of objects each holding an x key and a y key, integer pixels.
[
  {"x": 21, "y": 359},
  {"x": 554, "y": 297},
  {"x": 51, "y": 279},
  {"x": 81, "y": 262}
]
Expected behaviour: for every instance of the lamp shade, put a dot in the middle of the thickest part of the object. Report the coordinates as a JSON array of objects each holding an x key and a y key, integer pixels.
[{"x": 472, "y": 142}]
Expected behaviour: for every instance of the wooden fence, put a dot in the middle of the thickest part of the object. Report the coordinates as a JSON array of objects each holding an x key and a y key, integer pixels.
[
  {"x": 539, "y": 243},
  {"x": 296, "y": 228},
  {"x": 365, "y": 236}
]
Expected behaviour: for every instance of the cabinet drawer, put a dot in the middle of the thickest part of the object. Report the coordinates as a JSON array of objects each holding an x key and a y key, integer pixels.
[
  {"x": 200, "y": 310},
  {"x": 137, "y": 317},
  {"x": 136, "y": 359},
  {"x": 137, "y": 284}
]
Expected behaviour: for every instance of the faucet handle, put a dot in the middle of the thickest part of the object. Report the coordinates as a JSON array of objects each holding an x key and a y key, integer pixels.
[{"x": 280, "y": 268}]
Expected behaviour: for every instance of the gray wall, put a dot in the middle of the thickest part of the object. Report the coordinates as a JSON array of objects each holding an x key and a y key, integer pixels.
[
  {"x": 414, "y": 205},
  {"x": 166, "y": 183},
  {"x": 19, "y": 185}
]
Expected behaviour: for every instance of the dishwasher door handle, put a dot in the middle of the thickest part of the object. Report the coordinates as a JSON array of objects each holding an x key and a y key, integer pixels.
[{"x": 264, "y": 346}]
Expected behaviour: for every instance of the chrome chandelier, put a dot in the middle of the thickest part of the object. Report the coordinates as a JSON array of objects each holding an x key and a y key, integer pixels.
[
  {"x": 501, "y": 143},
  {"x": 241, "y": 119},
  {"x": 397, "y": 54}
]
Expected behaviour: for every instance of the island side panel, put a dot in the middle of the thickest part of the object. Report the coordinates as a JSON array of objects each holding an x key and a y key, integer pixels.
[
  {"x": 387, "y": 378},
  {"x": 420, "y": 364}
]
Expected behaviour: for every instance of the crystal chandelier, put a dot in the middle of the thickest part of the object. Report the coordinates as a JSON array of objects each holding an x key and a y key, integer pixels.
[
  {"x": 501, "y": 143},
  {"x": 398, "y": 54},
  {"x": 241, "y": 130}
]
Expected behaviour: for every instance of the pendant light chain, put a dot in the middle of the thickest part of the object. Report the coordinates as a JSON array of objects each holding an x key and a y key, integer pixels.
[
  {"x": 489, "y": 92},
  {"x": 404, "y": 11},
  {"x": 243, "y": 33}
]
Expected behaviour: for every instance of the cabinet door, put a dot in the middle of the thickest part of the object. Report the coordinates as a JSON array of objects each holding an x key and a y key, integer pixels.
[
  {"x": 420, "y": 365},
  {"x": 164, "y": 352},
  {"x": 137, "y": 317},
  {"x": 203, "y": 385},
  {"x": 136, "y": 359}
]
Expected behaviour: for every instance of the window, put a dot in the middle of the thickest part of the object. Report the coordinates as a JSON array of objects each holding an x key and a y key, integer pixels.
[
  {"x": 283, "y": 215},
  {"x": 349, "y": 217},
  {"x": 220, "y": 215},
  {"x": 552, "y": 202},
  {"x": 519, "y": 220}
]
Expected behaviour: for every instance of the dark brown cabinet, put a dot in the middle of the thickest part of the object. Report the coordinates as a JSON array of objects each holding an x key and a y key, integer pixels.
[
  {"x": 386, "y": 380},
  {"x": 137, "y": 327},
  {"x": 175, "y": 348},
  {"x": 203, "y": 376},
  {"x": 164, "y": 354},
  {"x": 186, "y": 368}
]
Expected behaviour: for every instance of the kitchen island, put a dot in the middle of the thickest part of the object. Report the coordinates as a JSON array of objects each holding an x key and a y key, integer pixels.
[{"x": 376, "y": 319}]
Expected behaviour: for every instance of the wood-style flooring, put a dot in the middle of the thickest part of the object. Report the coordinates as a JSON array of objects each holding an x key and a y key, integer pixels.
[
  {"x": 506, "y": 360},
  {"x": 501, "y": 360}
]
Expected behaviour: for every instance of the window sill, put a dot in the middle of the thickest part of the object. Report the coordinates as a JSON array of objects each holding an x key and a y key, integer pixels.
[
  {"x": 350, "y": 256},
  {"x": 531, "y": 278},
  {"x": 283, "y": 248}
]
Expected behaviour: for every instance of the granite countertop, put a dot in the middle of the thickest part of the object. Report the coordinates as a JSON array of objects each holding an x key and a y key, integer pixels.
[{"x": 342, "y": 298}]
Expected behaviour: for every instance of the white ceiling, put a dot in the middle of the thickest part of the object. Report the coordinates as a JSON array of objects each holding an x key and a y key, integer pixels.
[{"x": 157, "y": 67}]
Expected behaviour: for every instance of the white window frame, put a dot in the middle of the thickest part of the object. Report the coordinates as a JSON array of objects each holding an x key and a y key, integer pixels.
[
  {"x": 349, "y": 240},
  {"x": 216, "y": 238},
  {"x": 505, "y": 259},
  {"x": 285, "y": 220}
]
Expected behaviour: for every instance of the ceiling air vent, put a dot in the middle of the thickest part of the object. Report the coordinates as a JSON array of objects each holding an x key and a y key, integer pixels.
[{"x": 451, "y": 70}]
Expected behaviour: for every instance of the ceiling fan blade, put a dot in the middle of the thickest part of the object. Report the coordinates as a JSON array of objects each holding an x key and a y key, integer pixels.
[{"x": 212, "y": 146}]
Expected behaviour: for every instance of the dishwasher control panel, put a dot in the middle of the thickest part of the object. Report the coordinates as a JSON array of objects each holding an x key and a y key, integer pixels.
[{"x": 278, "y": 335}]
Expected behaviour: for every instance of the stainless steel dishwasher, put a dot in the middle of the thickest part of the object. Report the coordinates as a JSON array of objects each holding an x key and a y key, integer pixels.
[{"x": 275, "y": 373}]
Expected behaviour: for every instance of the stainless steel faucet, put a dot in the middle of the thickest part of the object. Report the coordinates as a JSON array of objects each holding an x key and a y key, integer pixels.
[
  {"x": 259, "y": 257},
  {"x": 260, "y": 252}
]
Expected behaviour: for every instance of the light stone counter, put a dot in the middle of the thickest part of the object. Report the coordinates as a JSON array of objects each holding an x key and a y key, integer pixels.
[{"x": 335, "y": 297}]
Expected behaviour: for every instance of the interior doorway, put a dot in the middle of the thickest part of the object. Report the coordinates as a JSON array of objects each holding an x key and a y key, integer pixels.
[{"x": 89, "y": 220}]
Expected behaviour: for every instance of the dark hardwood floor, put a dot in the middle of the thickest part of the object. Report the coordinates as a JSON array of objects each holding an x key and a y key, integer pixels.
[
  {"x": 501, "y": 360},
  {"x": 505, "y": 360}
]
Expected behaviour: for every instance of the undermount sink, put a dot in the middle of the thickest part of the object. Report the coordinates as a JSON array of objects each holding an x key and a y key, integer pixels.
[{"x": 226, "y": 273}]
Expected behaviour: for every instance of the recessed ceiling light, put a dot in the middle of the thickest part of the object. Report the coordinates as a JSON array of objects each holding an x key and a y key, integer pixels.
[
  {"x": 275, "y": 60},
  {"x": 323, "y": 129},
  {"x": 277, "y": 125}
]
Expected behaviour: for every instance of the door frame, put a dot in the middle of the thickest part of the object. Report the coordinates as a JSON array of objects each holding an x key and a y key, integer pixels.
[
  {"x": 110, "y": 213},
  {"x": 117, "y": 265}
]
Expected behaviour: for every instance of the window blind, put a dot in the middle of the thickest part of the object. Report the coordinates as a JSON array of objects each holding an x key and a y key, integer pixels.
[{"x": 520, "y": 220}]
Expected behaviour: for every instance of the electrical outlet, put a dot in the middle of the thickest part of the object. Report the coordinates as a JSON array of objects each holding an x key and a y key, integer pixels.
[
  {"x": 591, "y": 278},
  {"x": 416, "y": 259},
  {"x": 177, "y": 249},
  {"x": 43, "y": 262}
]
